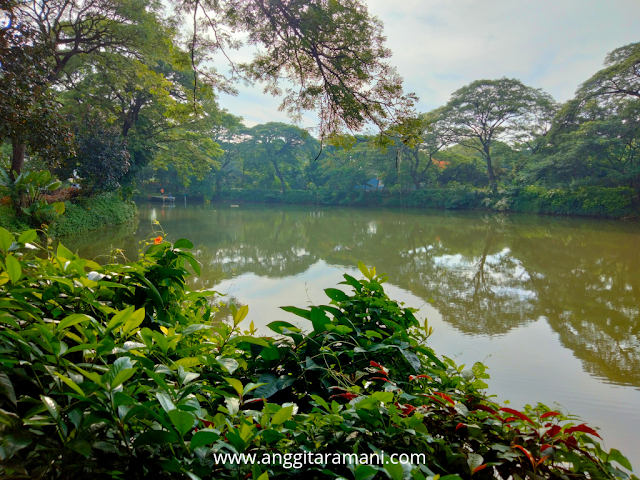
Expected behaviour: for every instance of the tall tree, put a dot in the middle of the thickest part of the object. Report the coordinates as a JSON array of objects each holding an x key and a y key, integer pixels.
[
  {"x": 418, "y": 141},
  {"x": 65, "y": 31},
  {"x": 281, "y": 147},
  {"x": 27, "y": 108},
  {"x": 488, "y": 110}
]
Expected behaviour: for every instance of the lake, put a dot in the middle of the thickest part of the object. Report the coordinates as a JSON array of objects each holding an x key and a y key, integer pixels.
[{"x": 550, "y": 305}]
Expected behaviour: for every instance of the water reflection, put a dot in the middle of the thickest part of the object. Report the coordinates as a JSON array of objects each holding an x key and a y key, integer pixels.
[{"x": 486, "y": 274}]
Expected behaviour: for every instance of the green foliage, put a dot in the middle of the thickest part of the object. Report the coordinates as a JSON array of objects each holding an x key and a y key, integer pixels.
[
  {"x": 589, "y": 201},
  {"x": 118, "y": 371},
  {"x": 101, "y": 160},
  {"x": 27, "y": 193},
  {"x": 92, "y": 213}
]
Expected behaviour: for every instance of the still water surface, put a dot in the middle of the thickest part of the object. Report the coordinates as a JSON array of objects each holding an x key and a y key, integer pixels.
[{"x": 550, "y": 305}]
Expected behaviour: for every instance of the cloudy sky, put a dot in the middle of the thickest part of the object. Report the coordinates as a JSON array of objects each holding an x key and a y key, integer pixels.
[{"x": 440, "y": 45}]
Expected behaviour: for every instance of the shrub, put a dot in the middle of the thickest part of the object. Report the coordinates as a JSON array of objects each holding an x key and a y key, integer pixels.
[
  {"x": 589, "y": 201},
  {"x": 118, "y": 371},
  {"x": 90, "y": 213}
]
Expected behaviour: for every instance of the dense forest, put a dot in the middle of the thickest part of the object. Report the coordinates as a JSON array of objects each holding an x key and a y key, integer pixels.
[
  {"x": 118, "y": 97},
  {"x": 496, "y": 144}
]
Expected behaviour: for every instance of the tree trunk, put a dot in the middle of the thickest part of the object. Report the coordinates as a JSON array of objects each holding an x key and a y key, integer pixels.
[
  {"x": 492, "y": 177},
  {"x": 218, "y": 188},
  {"x": 17, "y": 160},
  {"x": 279, "y": 175}
]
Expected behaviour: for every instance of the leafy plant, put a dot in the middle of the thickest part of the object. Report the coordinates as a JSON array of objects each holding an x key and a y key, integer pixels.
[
  {"x": 119, "y": 371},
  {"x": 27, "y": 194}
]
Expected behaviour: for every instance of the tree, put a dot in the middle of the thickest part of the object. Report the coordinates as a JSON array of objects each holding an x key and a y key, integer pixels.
[
  {"x": 60, "y": 32},
  {"x": 421, "y": 139},
  {"x": 229, "y": 135},
  {"x": 597, "y": 144},
  {"x": 281, "y": 147},
  {"x": 619, "y": 79},
  {"x": 101, "y": 160},
  {"x": 329, "y": 54},
  {"x": 488, "y": 110},
  {"x": 29, "y": 114}
]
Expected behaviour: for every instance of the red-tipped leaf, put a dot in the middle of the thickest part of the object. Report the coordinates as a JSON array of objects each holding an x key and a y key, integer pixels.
[
  {"x": 479, "y": 467},
  {"x": 584, "y": 429},
  {"x": 518, "y": 414},
  {"x": 526, "y": 452},
  {"x": 484, "y": 408},
  {"x": 549, "y": 414},
  {"x": 445, "y": 397}
]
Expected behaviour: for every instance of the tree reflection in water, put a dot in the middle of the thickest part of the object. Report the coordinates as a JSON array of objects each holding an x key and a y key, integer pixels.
[{"x": 487, "y": 274}]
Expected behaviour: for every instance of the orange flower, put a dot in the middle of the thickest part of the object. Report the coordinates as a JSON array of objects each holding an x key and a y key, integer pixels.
[{"x": 157, "y": 240}]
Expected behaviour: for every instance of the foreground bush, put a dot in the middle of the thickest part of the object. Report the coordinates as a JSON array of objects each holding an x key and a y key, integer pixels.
[{"x": 117, "y": 371}]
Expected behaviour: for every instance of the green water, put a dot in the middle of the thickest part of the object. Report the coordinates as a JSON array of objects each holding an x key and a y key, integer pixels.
[{"x": 551, "y": 305}]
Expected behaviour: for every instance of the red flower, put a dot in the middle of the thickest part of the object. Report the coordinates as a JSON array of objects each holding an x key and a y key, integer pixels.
[{"x": 157, "y": 240}]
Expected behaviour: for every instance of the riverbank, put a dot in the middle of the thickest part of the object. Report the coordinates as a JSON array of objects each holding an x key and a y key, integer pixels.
[
  {"x": 81, "y": 215},
  {"x": 601, "y": 202}
]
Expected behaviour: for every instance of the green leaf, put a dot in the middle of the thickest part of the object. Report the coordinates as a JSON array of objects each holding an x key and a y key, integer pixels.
[
  {"x": 73, "y": 320},
  {"x": 183, "y": 243},
  {"x": 183, "y": 421},
  {"x": 13, "y": 443},
  {"x": 269, "y": 385},
  {"x": 336, "y": 295},
  {"x": 59, "y": 207},
  {"x": 6, "y": 388},
  {"x": 365, "y": 472},
  {"x": 319, "y": 320},
  {"x": 120, "y": 317},
  {"x": 279, "y": 325},
  {"x": 6, "y": 239},
  {"x": 51, "y": 405},
  {"x": 364, "y": 270},
  {"x": 194, "y": 264},
  {"x": 255, "y": 340},
  {"x": 236, "y": 384},
  {"x": 187, "y": 362},
  {"x": 237, "y": 441},
  {"x": 165, "y": 402},
  {"x": 321, "y": 402},
  {"x": 298, "y": 311},
  {"x": 28, "y": 236},
  {"x": 155, "y": 437},
  {"x": 230, "y": 364},
  {"x": 81, "y": 446},
  {"x": 413, "y": 359},
  {"x": 616, "y": 456},
  {"x": 71, "y": 383},
  {"x": 64, "y": 252},
  {"x": 240, "y": 315},
  {"x": 395, "y": 470},
  {"x": 122, "y": 377},
  {"x": 282, "y": 415},
  {"x": 14, "y": 270},
  {"x": 203, "y": 437}
]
